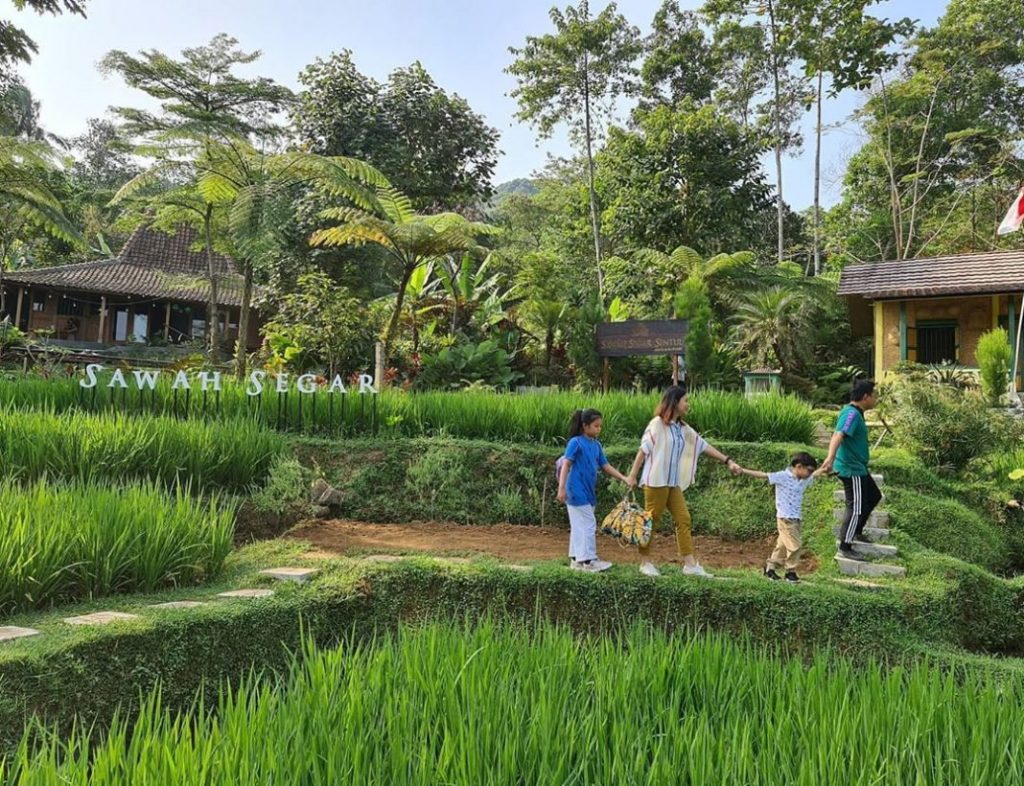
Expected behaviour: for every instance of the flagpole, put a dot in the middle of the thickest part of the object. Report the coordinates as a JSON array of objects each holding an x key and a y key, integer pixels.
[{"x": 1014, "y": 396}]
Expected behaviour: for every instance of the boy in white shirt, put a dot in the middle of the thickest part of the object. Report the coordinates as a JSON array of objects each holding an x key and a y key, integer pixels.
[{"x": 790, "y": 485}]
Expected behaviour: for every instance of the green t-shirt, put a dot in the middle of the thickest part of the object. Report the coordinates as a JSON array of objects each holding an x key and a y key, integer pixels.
[{"x": 852, "y": 456}]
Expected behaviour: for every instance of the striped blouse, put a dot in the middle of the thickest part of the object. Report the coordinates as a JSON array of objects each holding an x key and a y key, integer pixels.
[{"x": 671, "y": 454}]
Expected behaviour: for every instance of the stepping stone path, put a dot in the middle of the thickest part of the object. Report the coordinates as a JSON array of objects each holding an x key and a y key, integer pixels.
[
  {"x": 872, "y": 544},
  {"x": 248, "y": 594},
  {"x": 300, "y": 575},
  {"x": 178, "y": 604},
  {"x": 100, "y": 618},
  {"x": 12, "y": 632},
  {"x": 859, "y": 584}
]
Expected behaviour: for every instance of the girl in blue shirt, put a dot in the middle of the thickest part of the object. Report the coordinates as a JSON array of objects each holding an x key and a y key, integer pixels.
[{"x": 577, "y": 487}]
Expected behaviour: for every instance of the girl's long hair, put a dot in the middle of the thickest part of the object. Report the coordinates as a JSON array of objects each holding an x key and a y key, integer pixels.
[
  {"x": 666, "y": 409},
  {"x": 581, "y": 418}
]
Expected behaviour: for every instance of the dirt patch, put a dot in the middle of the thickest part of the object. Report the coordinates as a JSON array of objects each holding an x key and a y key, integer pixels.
[{"x": 515, "y": 543}]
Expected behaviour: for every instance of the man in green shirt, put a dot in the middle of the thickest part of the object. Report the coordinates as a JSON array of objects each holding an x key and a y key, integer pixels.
[{"x": 848, "y": 455}]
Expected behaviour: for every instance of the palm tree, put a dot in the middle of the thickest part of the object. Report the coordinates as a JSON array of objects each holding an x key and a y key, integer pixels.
[
  {"x": 669, "y": 271},
  {"x": 26, "y": 197},
  {"x": 410, "y": 239},
  {"x": 769, "y": 326},
  {"x": 257, "y": 193}
]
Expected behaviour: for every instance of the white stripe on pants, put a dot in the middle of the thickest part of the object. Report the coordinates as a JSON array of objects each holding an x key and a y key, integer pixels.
[{"x": 582, "y": 532}]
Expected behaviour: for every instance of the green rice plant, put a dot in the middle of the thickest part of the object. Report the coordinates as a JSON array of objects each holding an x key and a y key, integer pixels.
[
  {"x": 505, "y": 705},
  {"x": 228, "y": 455},
  {"x": 61, "y": 542},
  {"x": 540, "y": 417}
]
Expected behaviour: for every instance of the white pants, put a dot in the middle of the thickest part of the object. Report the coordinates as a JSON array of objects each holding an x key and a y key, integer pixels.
[{"x": 582, "y": 532}]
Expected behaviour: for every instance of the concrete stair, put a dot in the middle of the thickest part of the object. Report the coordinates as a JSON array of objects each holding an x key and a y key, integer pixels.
[
  {"x": 840, "y": 496},
  {"x": 870, "y": 534},
  {"x": 872, "y": 543},
  {"x": 879, "y": 519}
]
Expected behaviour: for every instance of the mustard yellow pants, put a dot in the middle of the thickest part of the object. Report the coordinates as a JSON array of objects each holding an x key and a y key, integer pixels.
[{"x": 656, "y": 500}]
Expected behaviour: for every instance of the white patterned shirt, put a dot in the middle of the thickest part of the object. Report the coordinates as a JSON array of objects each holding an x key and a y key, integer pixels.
[{"x": 789, "y": 493}]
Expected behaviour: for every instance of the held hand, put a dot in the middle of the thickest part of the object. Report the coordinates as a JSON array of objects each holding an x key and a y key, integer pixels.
[
  {"x": 825, "y": 468},
  {"x": 630, "y": 481},
  {"x": 735, "y": 468}
]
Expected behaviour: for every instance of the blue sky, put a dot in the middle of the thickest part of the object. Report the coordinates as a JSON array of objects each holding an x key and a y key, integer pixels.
[{"x": 462, "y": 43}]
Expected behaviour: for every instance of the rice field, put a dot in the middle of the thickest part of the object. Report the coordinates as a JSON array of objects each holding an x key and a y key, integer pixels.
[
  {"x": 496, "y": 705},
  {"x": 228, "y": 455},
  {"x": 536, "y": 417},
  {"x": 63, "y": 542}
]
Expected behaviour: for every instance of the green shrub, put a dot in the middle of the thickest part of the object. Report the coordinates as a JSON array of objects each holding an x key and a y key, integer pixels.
[
  {"x": 944, "y": 426},
  {"x": 287, "y": 484},
  {"x": 994, "y": 361},
  {"x": 463, "y": 365},
  {"x": 451, "y": 704},
  {"x": 66, "y": 542}
]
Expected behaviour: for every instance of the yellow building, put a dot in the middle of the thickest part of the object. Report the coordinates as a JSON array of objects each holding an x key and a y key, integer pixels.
[{"x": 934, "y": 311}]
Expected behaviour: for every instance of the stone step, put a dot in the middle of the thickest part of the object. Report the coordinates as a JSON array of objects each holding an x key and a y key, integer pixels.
[
  {"x": 874, "y": 549},
  {"x": 878, "y": 478},
  {"x": 854, "y": 567},
  {"x": 840, "y": 496},
  {"x": 879, "y": 519},
  {"x": 178, "y": 604},
  {"x": 870, "y": 534},
  {"x": 300, "y": 575},
  {"x": 100, "y": 618},
  {"x": 247, "y": 593},
  {"x": 12, "y": 632},
  {"x": 860, "y": 584}
]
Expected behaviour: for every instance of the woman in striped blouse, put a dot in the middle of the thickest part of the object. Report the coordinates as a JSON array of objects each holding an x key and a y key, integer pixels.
[{"x": 668, "y": 454}]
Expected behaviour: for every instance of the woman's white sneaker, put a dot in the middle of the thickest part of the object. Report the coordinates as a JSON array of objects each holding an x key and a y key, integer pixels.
[
  {"x": 648, "y": 569},
  {"x": 696, "y": 570}
]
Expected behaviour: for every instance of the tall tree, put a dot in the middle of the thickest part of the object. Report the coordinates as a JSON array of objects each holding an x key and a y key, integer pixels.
[
  {"x": 567, "y": 76},
  {"x": 839, "y": 40},
  {"x": 410, "y": 240},
  {"x": 430, "y": 144},
  {"x": 680, "y": 62},
  {"x": 755, "y": 35},
  {"x": 943, "y": 141},
  {"x": 202, "y": 100},
  {"x": 26, "y": 198},
  {"x": 257, "y": 191},
  {"x": 683, "y": 175},
  {"x": 16, "y": 46}
]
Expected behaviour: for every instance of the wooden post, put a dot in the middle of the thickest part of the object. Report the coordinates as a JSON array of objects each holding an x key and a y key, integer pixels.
[
  {"x": 167, "y": 321},
  {"x": 606, "y": 377},
  {"x": 17, "y": 312},
  {"x": 103, "y": 318}
]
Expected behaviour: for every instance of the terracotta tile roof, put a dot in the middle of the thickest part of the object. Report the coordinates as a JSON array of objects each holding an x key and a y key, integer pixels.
[
  {"x": 965, "y": 274},
  {"x": 152, "y": 264}
]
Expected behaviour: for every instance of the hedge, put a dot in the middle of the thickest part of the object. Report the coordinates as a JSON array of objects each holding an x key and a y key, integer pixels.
[{"x": 98, "y": 670}]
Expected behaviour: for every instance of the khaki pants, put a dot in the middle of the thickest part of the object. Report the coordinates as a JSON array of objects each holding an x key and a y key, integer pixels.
[
  {"x": 656, "y": 500},
  {"x": 788, "y": 546}
]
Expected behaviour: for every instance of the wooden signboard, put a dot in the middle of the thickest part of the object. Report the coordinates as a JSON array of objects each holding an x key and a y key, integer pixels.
[{"x": 641, "y": 337}]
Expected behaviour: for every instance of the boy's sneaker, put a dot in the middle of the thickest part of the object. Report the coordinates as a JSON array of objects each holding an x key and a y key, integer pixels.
[
  {"x": 769, "y": 573},
  {"x": 848, "y": 553},
  {"x": 599, "y": 565},
  {"x": 696, "y": 570},
  {"x": 791, "y": 577},
  {"x": 648, "y": 569}
]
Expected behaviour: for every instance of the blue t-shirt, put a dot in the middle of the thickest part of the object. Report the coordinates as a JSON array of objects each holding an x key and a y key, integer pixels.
[{"x": 587, "y": 457}]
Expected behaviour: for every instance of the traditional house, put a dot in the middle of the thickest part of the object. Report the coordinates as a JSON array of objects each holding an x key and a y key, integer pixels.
[
  {"x": 934, "y": 311},
  {"x": 156, "y": 289}
]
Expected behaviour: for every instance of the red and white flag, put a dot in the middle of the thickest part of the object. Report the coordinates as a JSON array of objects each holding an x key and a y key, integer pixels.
[{"x": 1014, "y": 216}]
